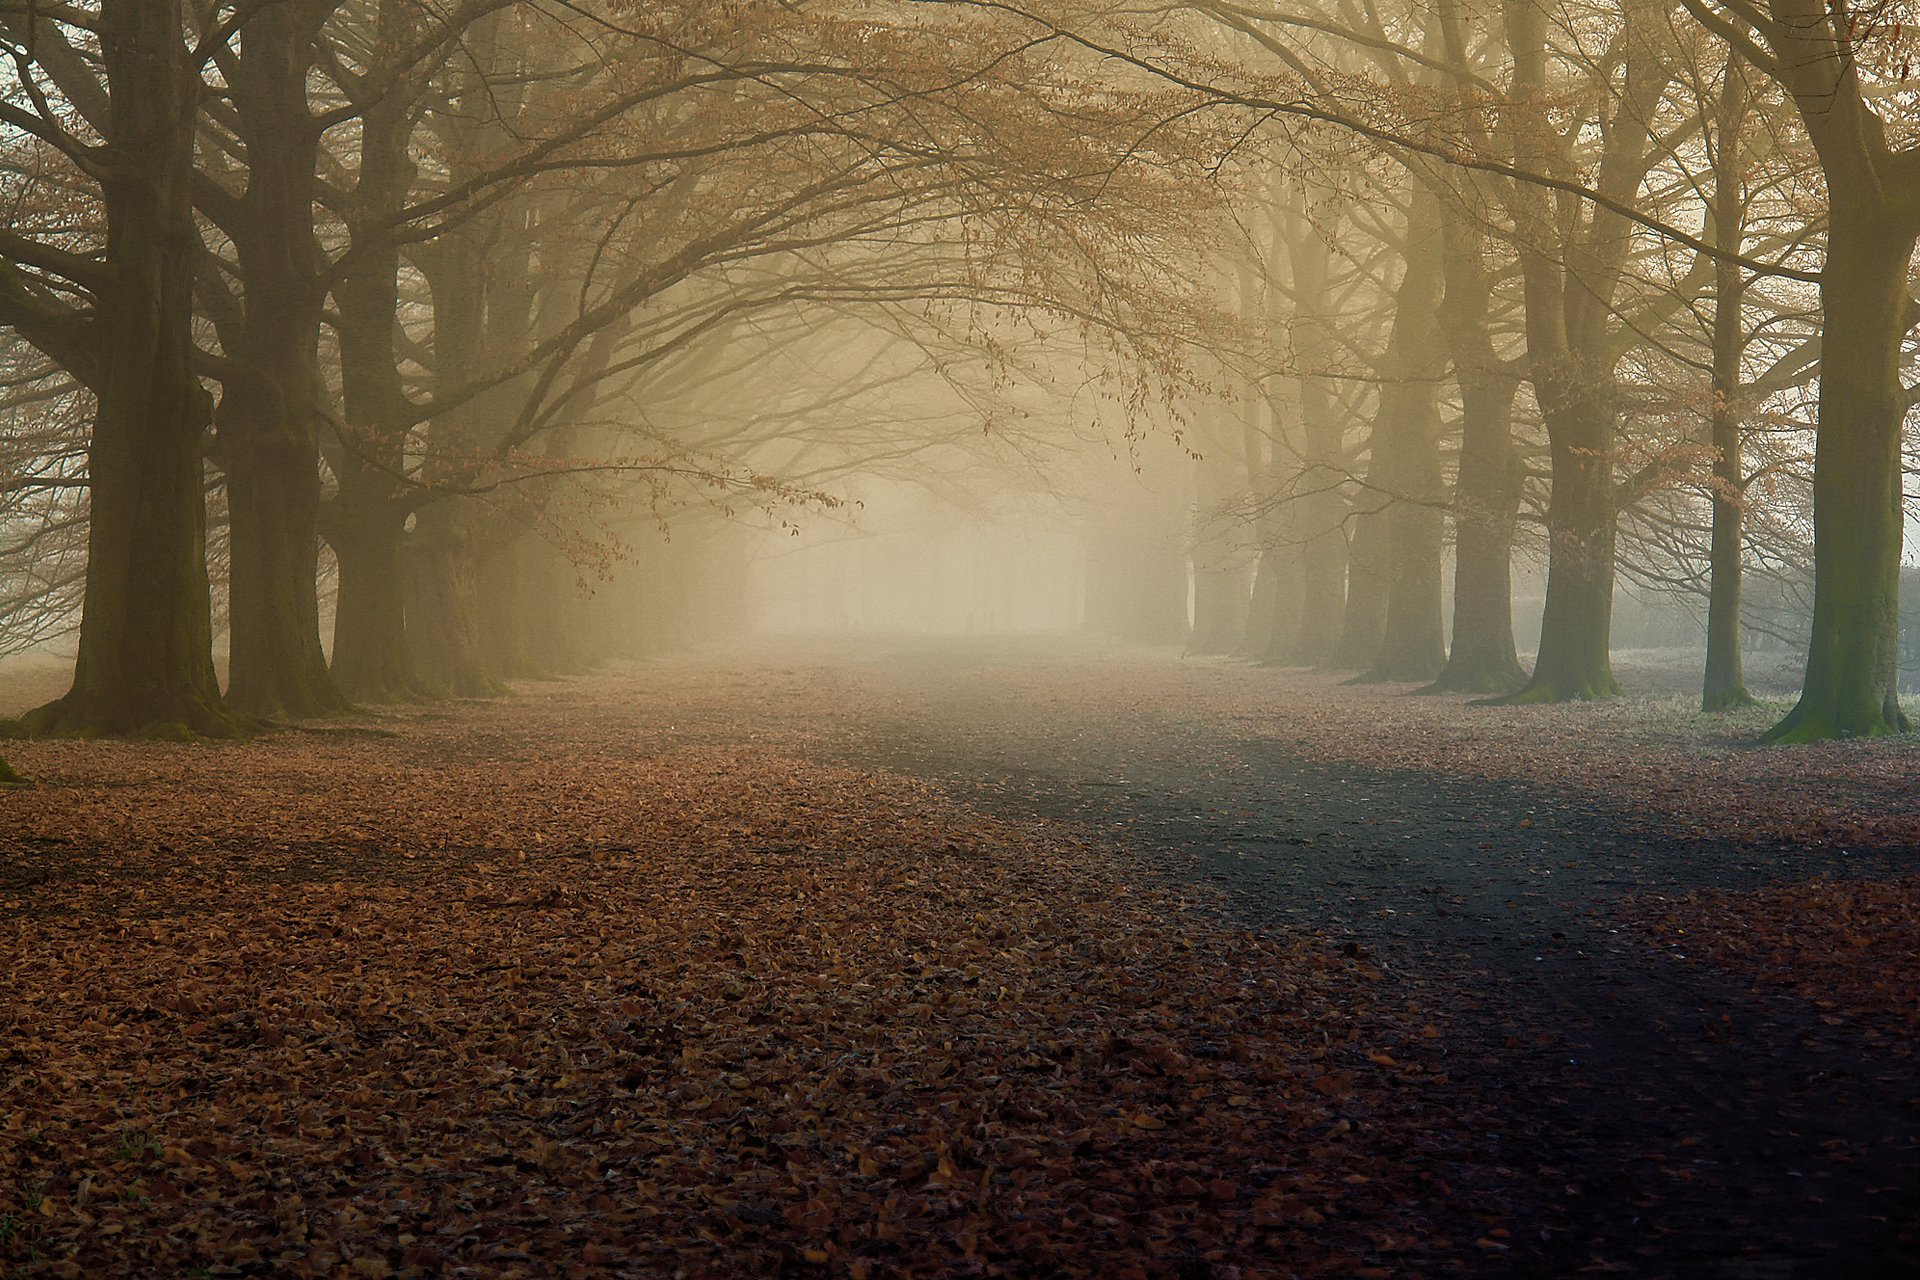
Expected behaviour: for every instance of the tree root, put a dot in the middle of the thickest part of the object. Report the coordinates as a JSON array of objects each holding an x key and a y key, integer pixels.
[
  {"x": 1494, "y": 683},
  {"x": 1729, "y": 700},
  {"x": 175, "y": 718},
  {"x": 1803, "y": 725}
]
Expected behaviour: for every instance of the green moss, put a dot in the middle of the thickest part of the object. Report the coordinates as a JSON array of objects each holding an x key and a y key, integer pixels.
[
  {"x": 1801, "y": 726},
  {"x": 8, "y": 778}
]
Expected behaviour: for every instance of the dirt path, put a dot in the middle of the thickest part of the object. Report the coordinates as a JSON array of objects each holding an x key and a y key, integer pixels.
[{"x": 1661, "y": 1118}]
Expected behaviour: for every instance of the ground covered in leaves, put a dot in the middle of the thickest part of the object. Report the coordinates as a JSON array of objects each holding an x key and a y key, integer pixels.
[
  {"x": 520, "y": 988},
  {"x": 1046, "y": 961}
]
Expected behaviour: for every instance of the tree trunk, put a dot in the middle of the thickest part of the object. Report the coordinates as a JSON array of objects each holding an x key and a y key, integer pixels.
[
  {"x": 1319, "y": 497},
  {"x": 1851, "y": 688},
  {"x": 1219, "y": 580},
  {"x": 1571, "y": 272},
  {"x": 1487, "y": 482},
  {"x": 442, "y": 606},
  {"x": 146, "y": 662},
  {"x": 1406, "y": 442},
  {"x": 273, "y": 502},
  {"x": 1723, "y": 682},
  {"x": 1486, "y": 505},
  {"x": 366, "y": 521},
  {"x": 370, "y": 657},
  {"x": 269, "y": 435},
  {"x": 1576, "y": 628},
  {"x": 501, "y": 582},
  {"x": 557, "y": 617},
  {"x": 1364, "y": 621}
]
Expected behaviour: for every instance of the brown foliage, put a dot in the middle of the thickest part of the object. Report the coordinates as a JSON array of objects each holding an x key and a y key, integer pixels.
[
  {"x": 528, "y": 989},
  {"x": 1851, "y": 947}
]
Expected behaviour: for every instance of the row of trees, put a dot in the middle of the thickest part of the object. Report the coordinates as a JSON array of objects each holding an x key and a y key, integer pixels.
[
  {"x": 1669, "y": 225},
  {"x": 425, "y": 281},
  {"x": 421, "y": 282}
]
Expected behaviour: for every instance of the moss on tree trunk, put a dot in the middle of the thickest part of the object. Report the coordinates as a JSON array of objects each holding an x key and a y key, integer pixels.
[{"x": 1851, "y": 688}]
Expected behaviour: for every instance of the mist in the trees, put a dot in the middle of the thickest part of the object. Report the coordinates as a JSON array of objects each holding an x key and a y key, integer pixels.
[{"x": 1028, "y": 638}]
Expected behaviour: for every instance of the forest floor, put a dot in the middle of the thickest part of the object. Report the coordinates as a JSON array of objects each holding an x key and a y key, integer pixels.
[{"x": 1010, "y": 958}]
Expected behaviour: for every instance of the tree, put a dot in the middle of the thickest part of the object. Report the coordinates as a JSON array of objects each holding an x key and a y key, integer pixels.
[
  {"x": 1851, "y": 687},
  {"x": 122, "y": 325}
]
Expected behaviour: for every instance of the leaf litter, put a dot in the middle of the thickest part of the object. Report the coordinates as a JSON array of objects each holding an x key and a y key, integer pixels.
[{"x": 499, "y": 993}]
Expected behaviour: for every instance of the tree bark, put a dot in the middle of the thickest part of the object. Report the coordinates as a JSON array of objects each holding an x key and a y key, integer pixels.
[
  {"x": 502, "y": 582},
  {"x": 1572, "y": 272},
  {"x": 1723, "y": 682},
  {"x": 1489, "y": 477},
  {"x": 1852, "y": 682},
  {"x": 268, "y": 417},
  {"x": 1487, "y": 482},
  {"x": 371, "y": 662},
  {"x": 1319, "y": 497},
  {"x": 1363, "y": 622},
  {"x": 442, "y": 605},
  {"x": 1220, "y": 595},
  {"x": 1406, "y": 442},
  {"x": 145, "y": 664},
  {"x": 366, "y": 522},
  {"x": 1575, "y": 661}
]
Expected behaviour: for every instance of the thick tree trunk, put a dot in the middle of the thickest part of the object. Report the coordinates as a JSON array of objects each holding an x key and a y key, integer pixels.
[
  {"x": 1486, "y": 505},
  {"x": 557, "y": 617},
  {"x": 273, "y": 502},
  {"x": 1274, "y": 604},
  {"x": 1572, "y": 271},
  {"x": 501, "y": 580},
  {"x": 1220, "y": 587},
  {"x": 1364, "y": 621},
  {"x": 1576, "y": 628},
  {"x": 1724, "y": 682},
  {"x": 268, "y": 415},
  {"x": 145, "y": 664},
  {"x": 1219, "y": 610},
  {"x": 443, "y": 600},
  {"x": 1487, "y": 481},
  {"x": 367, "y": 520},
  {"x": 1319, "y": 495},
  {"x": 370, "y": 657},
  {"x": 1323, "y": 587},
  {"x": 1406, "y": 442},
  {"x": 1851, "y": 688}
]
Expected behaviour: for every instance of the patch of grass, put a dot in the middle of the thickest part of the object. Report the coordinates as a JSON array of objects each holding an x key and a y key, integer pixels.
[{"x": 135, "y": 1144}]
